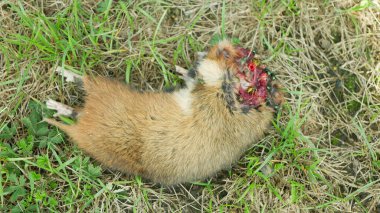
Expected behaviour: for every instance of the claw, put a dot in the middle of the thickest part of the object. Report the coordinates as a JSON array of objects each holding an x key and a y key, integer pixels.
[
  {"x": 181, "y": 70},
  {"x": 61, "y": 109},
  {"x": 70, "y": 76}
]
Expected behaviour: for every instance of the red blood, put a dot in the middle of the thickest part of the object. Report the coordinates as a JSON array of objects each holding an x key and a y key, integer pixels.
[
  {"x": 256, "y": 94},
  {"x": 262, "y": 92},
  {"x": 263, "y": 79},
  {"x": 251, "y": 66}
]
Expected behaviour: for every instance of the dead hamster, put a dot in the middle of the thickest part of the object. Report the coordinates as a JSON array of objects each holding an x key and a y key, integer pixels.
[{"x": 170, "y": 138}]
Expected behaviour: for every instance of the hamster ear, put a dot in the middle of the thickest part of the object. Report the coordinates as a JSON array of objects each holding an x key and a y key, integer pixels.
[
  {"x": 225, "y": 49},
  {"x": 224, "y": 53}
]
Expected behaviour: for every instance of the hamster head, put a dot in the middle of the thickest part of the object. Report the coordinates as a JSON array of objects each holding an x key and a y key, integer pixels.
[{"x": 239, "y": 73}]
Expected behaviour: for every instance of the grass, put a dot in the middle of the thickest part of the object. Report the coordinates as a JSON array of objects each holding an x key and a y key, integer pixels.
[{"x": 322, "y": 154}]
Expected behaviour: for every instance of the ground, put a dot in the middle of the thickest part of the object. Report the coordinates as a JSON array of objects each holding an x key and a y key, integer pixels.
[{"x": 322, "y": 153}]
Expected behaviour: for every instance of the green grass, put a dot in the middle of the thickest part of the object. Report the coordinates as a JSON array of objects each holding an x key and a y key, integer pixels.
[
  {"x": 322, "y": 153},
  {"x": 23, "y": 179}
]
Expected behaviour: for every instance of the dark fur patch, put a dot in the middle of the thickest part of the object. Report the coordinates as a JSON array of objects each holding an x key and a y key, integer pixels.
[
  {"x": 169, "y": 89},
  {"x": 245, "y": 109},
  {"x": 228, "y": 76},
  {"x": 225, "y": 87},
  {"x": 74, "y": 114},
  {"x": 192, "y": 73},
  {"x": 183, "y": 85},
  {"x": 228, "y": 95}
]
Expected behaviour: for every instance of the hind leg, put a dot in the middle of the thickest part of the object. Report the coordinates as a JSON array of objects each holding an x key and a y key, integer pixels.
[
  {"x": 62, "y": 109},
  {"x": 70, "y": 76}
]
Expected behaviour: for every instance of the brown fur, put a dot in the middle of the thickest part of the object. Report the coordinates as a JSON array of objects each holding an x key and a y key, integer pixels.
[{"x": 152, "y": 135}]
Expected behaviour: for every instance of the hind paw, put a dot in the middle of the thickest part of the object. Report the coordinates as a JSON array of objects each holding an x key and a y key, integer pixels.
[
  {"x": 61, "y": 109},
  {"x": 70, "y": 76}
]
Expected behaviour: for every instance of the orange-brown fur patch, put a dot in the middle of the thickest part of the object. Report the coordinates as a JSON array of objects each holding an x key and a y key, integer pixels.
[{"x": 225, "y": 54}]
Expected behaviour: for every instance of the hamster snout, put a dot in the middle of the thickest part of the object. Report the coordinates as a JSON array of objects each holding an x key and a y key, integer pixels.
[{"x": 170, "y": 138}]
